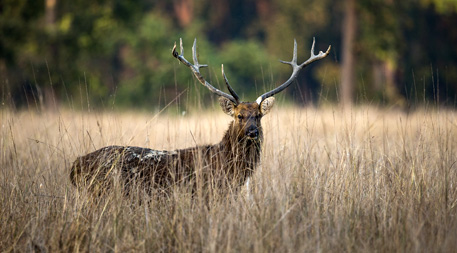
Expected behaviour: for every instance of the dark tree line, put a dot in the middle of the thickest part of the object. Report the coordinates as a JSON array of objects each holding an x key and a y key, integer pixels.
[{"x": 108, "y": 53}]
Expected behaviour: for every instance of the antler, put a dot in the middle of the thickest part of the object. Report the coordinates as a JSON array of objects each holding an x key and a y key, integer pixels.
[
  {"x": 196, "y": 70},
  {"x": 230, "y": 87},
  {"x": 296, "y": 70}
]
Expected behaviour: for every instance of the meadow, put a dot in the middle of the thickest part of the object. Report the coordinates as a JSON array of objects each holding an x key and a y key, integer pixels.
[{"x": 363, "y": 180}]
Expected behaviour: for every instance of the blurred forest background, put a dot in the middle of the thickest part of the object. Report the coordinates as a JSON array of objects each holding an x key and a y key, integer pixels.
[{"x": 117, "y": 54}]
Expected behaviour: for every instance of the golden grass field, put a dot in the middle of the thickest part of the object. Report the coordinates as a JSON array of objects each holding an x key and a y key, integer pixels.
[{"x": 365, "y": 180}]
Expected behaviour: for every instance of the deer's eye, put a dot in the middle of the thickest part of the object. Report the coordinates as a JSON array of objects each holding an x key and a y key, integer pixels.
[{"x": 240, "y": 116}]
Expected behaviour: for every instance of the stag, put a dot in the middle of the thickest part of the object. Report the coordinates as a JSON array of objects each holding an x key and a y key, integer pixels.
[{"x": 228, "y": 163}]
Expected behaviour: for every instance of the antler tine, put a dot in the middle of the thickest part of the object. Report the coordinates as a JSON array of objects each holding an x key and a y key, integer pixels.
[
  {"x": 230, "y": 87},
  {"x": 296, "y": 69},
  {"x": 314, "y": 57},
  {"x": 294, "y": 56},
  {"x": 194, "y": 56},
  {"x": 181, "y": 47},
  {"x": 196, "y": 70}
]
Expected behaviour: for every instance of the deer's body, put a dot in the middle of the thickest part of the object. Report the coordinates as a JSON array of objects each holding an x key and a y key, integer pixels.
[
  {"x": 226, "y": 164},
  {"x": 229, "y": 162}
]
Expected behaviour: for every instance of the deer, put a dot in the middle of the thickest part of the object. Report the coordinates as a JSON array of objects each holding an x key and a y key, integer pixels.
[{"x": 227, "y": 164}]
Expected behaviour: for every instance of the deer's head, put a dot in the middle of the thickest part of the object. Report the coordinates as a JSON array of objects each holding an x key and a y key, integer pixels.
[{"x": 246, "y": 115}]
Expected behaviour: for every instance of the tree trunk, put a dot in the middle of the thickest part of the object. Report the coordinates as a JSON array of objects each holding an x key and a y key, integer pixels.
[
  {"x": 184, "y": 10},
  {"x": 347, "y": 70},
  {"x": 50, "y": 99},
  {"x": 384, "y": 82}
]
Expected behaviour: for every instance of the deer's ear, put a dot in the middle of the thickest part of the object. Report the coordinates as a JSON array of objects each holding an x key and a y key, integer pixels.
[
  {"x": 266, "y": 105},
  {"x": 227, "y": 105}
]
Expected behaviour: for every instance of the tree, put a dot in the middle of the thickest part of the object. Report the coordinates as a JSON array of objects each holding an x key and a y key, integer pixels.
[{"x": 347, "y": 70}]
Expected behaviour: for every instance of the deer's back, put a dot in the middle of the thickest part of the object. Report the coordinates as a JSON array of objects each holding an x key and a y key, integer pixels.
[
  {"x": 213, "y": 164},
  {"x": 154, "y": 168},
  {"x": 151, "y": 168}
]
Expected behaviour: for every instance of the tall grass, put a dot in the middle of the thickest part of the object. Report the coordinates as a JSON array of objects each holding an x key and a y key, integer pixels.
[{"x": 331, "y": 181}]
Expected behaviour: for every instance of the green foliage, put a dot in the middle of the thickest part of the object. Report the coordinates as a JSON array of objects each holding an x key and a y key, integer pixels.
[
  {"x": 381, "y": 30},
  {"x": 442, "y": 6},
  {"x": 143, "y": 54},
  {"x": 248, "y": 67},
  {"x": 120, "y": 51}
]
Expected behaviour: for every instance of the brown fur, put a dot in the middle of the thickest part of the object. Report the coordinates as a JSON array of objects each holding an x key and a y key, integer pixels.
[{"x": 224, "y": 165}]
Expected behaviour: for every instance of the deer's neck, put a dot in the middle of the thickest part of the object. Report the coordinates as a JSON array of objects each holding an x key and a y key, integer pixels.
[{"x": 241, "y": 152}]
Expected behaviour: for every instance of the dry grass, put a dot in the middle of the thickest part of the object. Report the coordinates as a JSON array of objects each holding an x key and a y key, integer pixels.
[{"x": 367, "y": 180}]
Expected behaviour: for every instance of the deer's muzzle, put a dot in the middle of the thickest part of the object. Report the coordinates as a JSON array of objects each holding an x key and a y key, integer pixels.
[{"x": 252, "y": 132}]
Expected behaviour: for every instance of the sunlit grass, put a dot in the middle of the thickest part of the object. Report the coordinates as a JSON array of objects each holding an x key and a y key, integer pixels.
[{"x": 363, "y": 180}]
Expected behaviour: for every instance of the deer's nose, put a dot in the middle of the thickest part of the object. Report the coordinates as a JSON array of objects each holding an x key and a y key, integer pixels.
[{"x": 252, "y": 132}]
